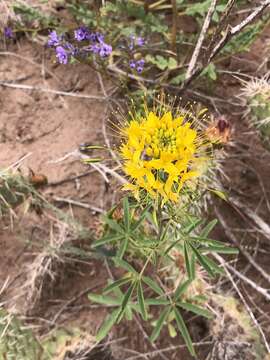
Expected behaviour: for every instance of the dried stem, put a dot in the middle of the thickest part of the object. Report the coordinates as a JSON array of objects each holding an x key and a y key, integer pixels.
[
  {"x": 229, "y": 33},
  {"x": 174, "y": 25},
  {"x": 197, "y": 50}
]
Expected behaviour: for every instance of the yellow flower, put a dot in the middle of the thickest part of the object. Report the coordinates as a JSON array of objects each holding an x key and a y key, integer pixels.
[{"x": 161, "y": 154}]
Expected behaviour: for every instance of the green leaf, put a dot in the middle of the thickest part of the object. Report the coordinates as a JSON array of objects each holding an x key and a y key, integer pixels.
[
  {"x": 157, "y": 302},
  {"x": 172, "y": 63},
  {"x": 92, "y": 160},
  {"x": 208, "y": 228},
  {"x": 126, "y": 214},
  {"x": 219, "y": 193},
  {"x": 190, "y": 227},
  {"x": 128, "y": 313},
  {"x": 195, "y": 309},
  {"x": 178, "y": 79},
  {"x": 202, "y": 261},
  {"x": 141, "y": 219},
  {"x": 181, "y": 289},
  {"x": 161, "y": 320},
  {"x": 125, "y": 265},
  {"x": 210, "y": 71},
  {"x": 104, "y": 300},
  {"x": 192, "y": 266},
  {"x": 171, "y": 246},
  {"x": 108, "y": 324},
  {"x": 220, "y": 249},
  {"x": 214, "y": 266},
  {"x": 123, "y": 247},
  {"x": 184, "y": 331},
  {"x": 172, "y": 331},
  {"x": 106, "y": 240},
  {"x": 114, "y": 225},
  {"x": 127, "y": 297},
  {"x": 153, "y": 285},
  {"x": 116, "y": 283},
  {"x": 188, "y": 265},
  {"x": 141, "y": 300},
  {"x": 199, "y": 8}
]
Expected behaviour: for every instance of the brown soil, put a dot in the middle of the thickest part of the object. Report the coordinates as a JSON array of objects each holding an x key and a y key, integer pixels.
[{"x": 47, "y": 127}]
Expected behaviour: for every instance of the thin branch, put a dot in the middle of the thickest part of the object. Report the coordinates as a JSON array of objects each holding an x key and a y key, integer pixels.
[
  {"x": 79, "y": 203},
  {"x": 52, "y": 91},
  {"x": 247, "y": 280},
  {"x": 197, "y": 50},
  {"x": 228, "y": 34},
  {"x": 174, "y": 25},
  {"x": 231, "y": 236},
  {"x": 261, "y": 224}
]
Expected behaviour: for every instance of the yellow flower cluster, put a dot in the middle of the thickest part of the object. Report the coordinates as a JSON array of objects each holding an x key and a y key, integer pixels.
[{"x": 160, "y": 153}]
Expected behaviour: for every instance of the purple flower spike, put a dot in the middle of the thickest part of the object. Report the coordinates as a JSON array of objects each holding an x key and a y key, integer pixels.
[
  {"x": 61, "y": 55},
  {"x": 81, "y": 33},
  {"x": 8, "y": 33},
  {"x": 54, "y": 39}
]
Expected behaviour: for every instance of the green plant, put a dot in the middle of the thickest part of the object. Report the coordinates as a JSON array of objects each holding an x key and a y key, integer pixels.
[
  {"x": 16, "y": 341},
  {"x": 151, "y": 235},
  {"x": 257, "y": 94}
]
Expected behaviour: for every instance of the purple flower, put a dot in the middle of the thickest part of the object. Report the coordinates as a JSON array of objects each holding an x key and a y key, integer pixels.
[
  {"x": 140, "y": 41},
  {"x": 8, "y": 33},
  {"x": 61, "y": 55},
  {"x": 136, "y": 41},
  {"x": 54, "y": 39},
  {"x": 98, "y": 37},
  {"x": 71, "y": 48},
  {"x": 132, "y": 64},
  {"x": 137, "y": 65},
  {"x": 105, "y": 50},
  {"x": 82, "y": 33},
  {"x": 141, "y": 62},
  {"x": 94, "y": 48}
]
